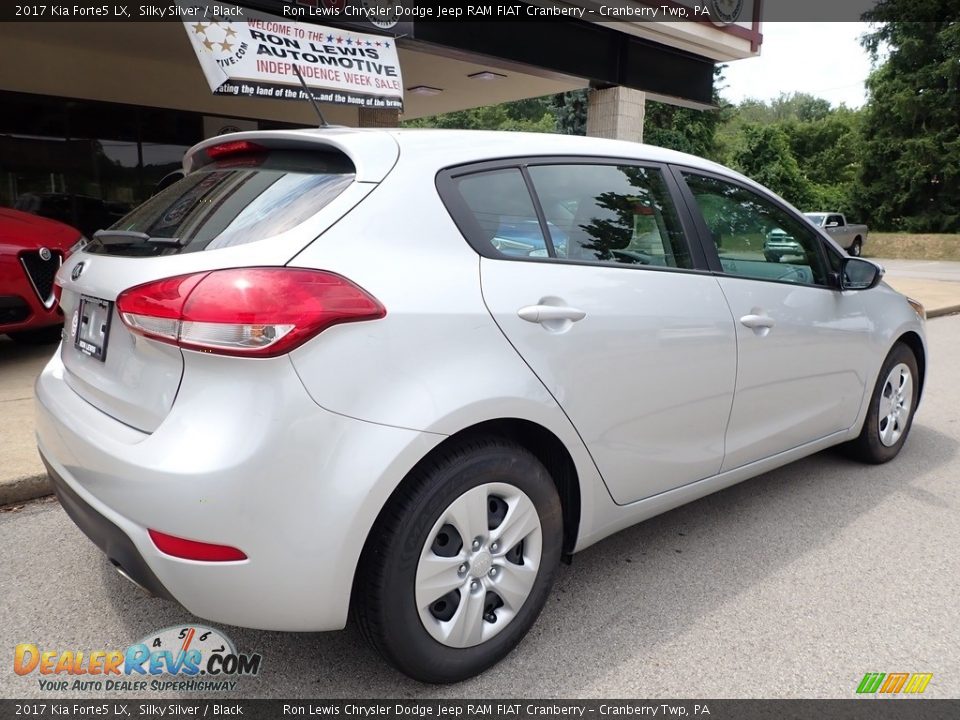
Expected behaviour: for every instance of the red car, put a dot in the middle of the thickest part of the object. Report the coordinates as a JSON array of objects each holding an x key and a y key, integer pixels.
[{"x": 31, "y": 251}]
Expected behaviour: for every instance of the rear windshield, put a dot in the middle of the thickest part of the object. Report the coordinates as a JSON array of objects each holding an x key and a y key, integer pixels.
[{"x": 230, "y": 202}]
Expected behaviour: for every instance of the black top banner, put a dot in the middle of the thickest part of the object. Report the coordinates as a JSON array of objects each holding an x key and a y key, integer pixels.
[
  {"x": 395, "y": 17},
  {"x": 868, "y": 709}
]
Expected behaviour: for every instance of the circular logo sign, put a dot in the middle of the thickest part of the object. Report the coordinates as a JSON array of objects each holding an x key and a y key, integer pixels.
[
  {"x": 382, "y": 13},
  {"x": 725, "y": 12},
  {"x": 45, "y": 254}
]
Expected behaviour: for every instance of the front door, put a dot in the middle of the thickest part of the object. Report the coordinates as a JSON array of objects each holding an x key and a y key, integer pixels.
[{"x": 803, "y": 345}]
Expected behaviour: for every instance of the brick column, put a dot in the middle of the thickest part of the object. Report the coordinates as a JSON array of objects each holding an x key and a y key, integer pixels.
[
  {"x": 379, "y": 117},
  {"x": 616, "y": 113}
]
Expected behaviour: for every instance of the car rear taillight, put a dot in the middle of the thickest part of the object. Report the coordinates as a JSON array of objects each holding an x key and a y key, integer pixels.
[{"x": 250, "y": 312}]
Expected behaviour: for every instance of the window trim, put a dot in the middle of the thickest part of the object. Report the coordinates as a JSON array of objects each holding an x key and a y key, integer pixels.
[
  {"x": 462, "y": 216},
  {"x": 713, "y": 257}
]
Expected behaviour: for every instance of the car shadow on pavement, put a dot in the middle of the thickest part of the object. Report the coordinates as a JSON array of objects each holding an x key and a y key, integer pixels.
[
  {"x": 620, "y": 599},
  {"x": 12, "y": 352}
]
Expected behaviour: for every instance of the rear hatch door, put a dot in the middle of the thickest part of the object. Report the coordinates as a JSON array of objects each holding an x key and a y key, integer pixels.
[{"x": 259, "y": 205}]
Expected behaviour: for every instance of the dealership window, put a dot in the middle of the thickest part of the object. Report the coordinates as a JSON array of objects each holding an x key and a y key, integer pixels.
[{"x": 87, "y": 163}]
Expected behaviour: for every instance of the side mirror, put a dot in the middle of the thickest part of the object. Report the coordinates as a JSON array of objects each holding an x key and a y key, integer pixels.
[
  {"x": 859, "y": 274},
  {"x": 832, "y": 224}
]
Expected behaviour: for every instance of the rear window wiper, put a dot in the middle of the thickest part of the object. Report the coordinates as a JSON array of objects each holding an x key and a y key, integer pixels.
[{"x": 131, "y": 237}]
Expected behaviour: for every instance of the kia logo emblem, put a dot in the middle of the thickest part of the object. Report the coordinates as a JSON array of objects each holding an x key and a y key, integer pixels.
[{"x": 77, "y": 270}]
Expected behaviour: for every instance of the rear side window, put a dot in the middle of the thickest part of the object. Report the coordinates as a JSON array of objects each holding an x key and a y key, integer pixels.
[
  {"x": 233, "y": 201},
  {"x": 618, "y": 214},
  {"x": 611, "y": 214}
]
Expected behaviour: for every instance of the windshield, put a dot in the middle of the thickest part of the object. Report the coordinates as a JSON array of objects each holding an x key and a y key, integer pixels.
[
  {"x": 816, "y": 218},
  {"x": 234, "y": 201}
]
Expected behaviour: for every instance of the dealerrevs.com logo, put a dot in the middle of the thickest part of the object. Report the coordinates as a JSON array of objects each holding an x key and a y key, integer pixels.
[{"x": 184, "y": 658}]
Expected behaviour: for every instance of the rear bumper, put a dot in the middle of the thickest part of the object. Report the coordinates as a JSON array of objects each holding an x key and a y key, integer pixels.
[
  {"x": 118, "y": 548},
  {"x": 245, "y": 458}
]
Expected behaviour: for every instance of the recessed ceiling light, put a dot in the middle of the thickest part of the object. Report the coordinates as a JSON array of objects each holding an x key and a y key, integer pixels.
[
  {"x": 485, "y": 75},
  {"x": 424, "y": 90}
]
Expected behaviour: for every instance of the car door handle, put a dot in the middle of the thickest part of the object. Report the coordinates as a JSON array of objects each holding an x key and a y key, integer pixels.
[
  {"x": 550, "y": 313},
  {"x": 758, "y": 322}
]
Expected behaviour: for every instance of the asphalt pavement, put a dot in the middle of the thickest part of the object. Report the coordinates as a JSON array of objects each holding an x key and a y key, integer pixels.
[{"x": 792, "y": 584}]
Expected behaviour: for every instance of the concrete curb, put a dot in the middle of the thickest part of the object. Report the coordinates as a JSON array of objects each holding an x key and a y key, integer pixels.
[
  {"x": 941, "y": 311},
  {"x": 24, "y": 488}
]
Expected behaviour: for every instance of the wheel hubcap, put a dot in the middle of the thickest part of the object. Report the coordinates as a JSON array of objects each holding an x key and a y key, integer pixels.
[
  {"x": 478, "y": 565},
  {"x": 896, "y": 397}
]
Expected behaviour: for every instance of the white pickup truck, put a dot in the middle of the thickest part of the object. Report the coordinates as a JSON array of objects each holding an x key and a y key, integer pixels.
[{"x": 851, "y": 237}]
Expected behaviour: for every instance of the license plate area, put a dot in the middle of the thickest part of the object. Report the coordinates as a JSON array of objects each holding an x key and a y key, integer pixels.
[{"x": 93, "y": 327}]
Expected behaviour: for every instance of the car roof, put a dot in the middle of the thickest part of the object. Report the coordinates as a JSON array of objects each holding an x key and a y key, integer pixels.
[
  {"x": 450, "y": 147},
  {"x": 375, "y": 151}
]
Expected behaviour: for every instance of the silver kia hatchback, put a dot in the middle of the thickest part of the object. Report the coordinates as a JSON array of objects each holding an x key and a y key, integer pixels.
[{"x": 400, "y": 375}]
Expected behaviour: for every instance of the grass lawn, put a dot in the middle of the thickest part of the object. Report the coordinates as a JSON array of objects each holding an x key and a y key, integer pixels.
[{"x": 912, "y": 246}]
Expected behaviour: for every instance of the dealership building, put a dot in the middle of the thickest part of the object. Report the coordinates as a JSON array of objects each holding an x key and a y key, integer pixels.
[{"x": 94, "y": 114}]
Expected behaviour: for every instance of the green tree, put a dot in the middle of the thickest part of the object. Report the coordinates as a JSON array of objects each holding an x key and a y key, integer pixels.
[
  {"x": 765, "y": 156},
  {"x": 910, "y": 171},
  {"x": 685, "y": 129},
  {"x": 570, "y": 111},
  {"x": 531, "y": 115}
]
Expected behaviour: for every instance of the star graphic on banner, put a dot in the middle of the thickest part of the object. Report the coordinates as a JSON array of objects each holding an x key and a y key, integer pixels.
[
  {"x": 339, "y": 40},
  {"x": 386, "y": 44},
  {"x": 329, "y": 38},
  {"x": 225, "y": 46},
  {"x": 369, "y": 43},
  {"x": 379, "y": 43},
  {"x": 207, "y": 44},
  {"x": 349, "y": 41},
  {"x": 230, "y": 32},
  {"x": 198, "y": 27}
]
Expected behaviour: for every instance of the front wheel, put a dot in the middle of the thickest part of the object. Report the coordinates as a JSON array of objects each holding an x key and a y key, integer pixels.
[
  {"x": 891, "y": 411},
  {"x": 461, "y": 561}
]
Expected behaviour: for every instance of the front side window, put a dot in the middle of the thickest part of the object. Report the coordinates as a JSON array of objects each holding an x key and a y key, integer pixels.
[
  {"x": 617, "y": 214},
  {"x": 754, "y": 237}
]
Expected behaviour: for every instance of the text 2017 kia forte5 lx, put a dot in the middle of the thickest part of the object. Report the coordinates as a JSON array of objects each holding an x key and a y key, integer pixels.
[{"x": 403, "y": 372}]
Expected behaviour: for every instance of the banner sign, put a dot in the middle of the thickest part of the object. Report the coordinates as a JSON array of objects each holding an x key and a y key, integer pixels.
[{"x": 255, "y": 58}]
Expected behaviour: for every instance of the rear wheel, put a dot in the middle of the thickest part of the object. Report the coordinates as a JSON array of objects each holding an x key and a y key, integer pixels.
[
  {"x": 771, "y": 257},
  {"x": 856, "y": 248},
  {"x": 460, "y": 563},
  {"x": 43, "y": 336},
  {"x": 891, "y": 411}
]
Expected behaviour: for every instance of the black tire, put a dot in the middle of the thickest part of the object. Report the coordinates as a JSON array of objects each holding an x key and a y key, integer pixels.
[
  {"x": 856, "y": 249},
  {"x": 383, "y": 594},
  {"x": 43, "y": 336},
  {"x": 771, "y": 257},
  {"x": 867, "y": 447}
]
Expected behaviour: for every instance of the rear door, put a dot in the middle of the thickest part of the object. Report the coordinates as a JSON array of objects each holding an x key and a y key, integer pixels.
[
  {"x": 803, "y": 345},
  {"x": 592, "y": 280},
  {"x": 247, "y": 208}
]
